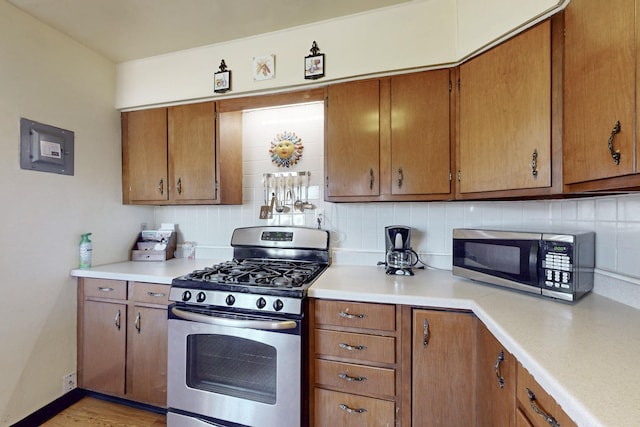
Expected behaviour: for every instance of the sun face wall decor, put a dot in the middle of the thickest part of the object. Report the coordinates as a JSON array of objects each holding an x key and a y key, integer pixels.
[{"x": 286, "y": 149}]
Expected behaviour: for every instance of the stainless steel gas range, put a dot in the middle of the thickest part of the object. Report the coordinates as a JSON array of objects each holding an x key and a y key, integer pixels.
[{"x": 236, "y": 331}]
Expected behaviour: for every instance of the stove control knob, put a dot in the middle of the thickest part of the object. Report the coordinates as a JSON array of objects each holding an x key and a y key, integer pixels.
[
  {"x": 230, "y": 300},
  {"x": 278, "y": 305},
  {"x": 186, "y": 296},
  {"x": 261, "y": 303},
  {"x": 201, "y": 297}
]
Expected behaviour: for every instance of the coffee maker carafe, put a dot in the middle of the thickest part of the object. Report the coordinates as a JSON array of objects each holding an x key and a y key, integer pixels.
[{"x": 399, "y": 256}]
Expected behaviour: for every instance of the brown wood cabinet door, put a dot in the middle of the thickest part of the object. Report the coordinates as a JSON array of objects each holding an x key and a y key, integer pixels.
[
  {"x": 420, "y": 143},
  {"x": 103, "y": 347},
  {"x": 599, "y": 89},
  {"x": 352, "y": 139},
  {"x": 144, "y": 155},
  {"x": 495, "y": 404},
  {"x": 147, "y": 356},
  {"x": 539, "y": 405},
  {"x": 505, "y": 115},
  {"x": 192, "y": 153},
  {"x": 442, "y": 390}
]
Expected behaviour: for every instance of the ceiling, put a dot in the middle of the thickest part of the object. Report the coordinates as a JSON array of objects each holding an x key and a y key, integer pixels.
[{"x": 124, "y": 30}]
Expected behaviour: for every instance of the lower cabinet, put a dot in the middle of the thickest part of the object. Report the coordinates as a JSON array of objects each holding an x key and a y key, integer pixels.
[
  {"x": 536, "y": 408},
  {"x": 354, "y": 364},
  {"x": 442, "y": 367},
  {"x": 122, "y": 339},
  {"x": 495, "y": 382}
]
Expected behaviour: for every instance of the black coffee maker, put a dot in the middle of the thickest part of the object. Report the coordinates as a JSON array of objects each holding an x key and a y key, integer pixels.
[{"x": 399, "y": 256}]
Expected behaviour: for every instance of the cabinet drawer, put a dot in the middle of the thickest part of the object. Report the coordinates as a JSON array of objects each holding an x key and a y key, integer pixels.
[
  {"x": 359, "y": 379},
  {"x": 341, "y": 409},
  {"x": 152, "y": 293},
  {"x": 542, "y": 402},
  {"x": 356, "y": 314},
  {"x": 349, "y": 345},
  {"x": 105, "y": 288}
]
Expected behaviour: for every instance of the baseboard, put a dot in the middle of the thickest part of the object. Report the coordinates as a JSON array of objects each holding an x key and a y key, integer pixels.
[
  {"x": 52, "y": 409},
  {"x": 131, "y": 403}
]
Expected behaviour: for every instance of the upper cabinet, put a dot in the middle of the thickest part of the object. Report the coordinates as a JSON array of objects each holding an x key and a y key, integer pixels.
[
  {"x": 173, "y": 156},
  {"x": 600, "y": 95},
  {"x": 389, "y": 139},
  {"x": 510, "y": 116}
]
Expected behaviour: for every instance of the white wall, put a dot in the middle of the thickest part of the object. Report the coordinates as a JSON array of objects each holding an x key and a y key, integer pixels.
[
  {"x": 413, "y": 35},
  {"x": 45, "y": 76}
]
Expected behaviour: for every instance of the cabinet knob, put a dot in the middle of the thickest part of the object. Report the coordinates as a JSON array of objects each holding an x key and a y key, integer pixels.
[
  {"x": 400, "y": 177},
  {"x": 161, "y": 187},
  {"x": 179, "y": 186},
  {"x": 370, "y": 179}
]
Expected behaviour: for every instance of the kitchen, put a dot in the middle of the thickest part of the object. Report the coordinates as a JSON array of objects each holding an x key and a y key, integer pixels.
[{"x": 78, "y": 90}]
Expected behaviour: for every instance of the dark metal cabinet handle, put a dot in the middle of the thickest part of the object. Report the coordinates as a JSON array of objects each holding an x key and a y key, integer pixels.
[
  {"x": 534, "y": 163},
  {"x": 496, "y": 368},
  {"x": 351, "y": 410},
  {"x": 370, "y": 179},
  {"x": 425, "y": 333},
  {"x": 349, "y": 378},
  {"x": 346, "y": 315},
  {"x": 179, "y": 186},
  {"x": 351, "y": 347},
  {"x": 103, "y": 289},
  {"x": 117, "y": 320},
  {"x": 161, "y": 187},
  {"x": 137, "y": 322},
  {"x": 615, "y": 155},
  {"x": 548, "y": 418},
  {"x": 400, "y": 177}
]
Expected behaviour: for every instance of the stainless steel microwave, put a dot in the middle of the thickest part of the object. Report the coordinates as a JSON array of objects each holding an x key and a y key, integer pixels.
[{"x": 555, "y": 265}]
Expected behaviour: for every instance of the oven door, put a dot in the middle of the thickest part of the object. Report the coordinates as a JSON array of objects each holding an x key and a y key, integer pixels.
[{"x": 226, "y": 367}]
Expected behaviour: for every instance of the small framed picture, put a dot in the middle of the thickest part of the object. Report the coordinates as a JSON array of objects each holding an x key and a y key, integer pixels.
[
  {"x": 222, "y": 81},
  {"x": 264, "y": 67},
  {"x": 314, "y": 66}
]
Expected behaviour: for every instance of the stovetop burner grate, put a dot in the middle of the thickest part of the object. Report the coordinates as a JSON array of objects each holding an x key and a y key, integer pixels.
[{"x": 259, "y": 272}]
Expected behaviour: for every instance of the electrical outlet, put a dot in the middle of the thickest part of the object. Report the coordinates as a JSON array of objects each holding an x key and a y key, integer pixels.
[
  {"x": 320, "y": 218},
  {"x": 69, "y": 382}
]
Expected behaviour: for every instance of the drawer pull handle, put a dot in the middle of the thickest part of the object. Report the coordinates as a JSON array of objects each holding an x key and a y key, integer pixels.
[
  {"x": 548, "y": 418},
  {"x": 496, "y": 368},
  {"x": 156, "y": 294},
  {"x": 351, "y": 410},
  {"x": 346, "y": 377},
  {"x": 103, "y": 289},
  {"x": 351, "y": 347},
  {"x": 346, "y": 315}
]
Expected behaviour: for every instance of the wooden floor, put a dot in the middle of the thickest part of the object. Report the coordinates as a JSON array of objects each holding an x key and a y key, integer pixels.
[{"x": 96, "y": 412}]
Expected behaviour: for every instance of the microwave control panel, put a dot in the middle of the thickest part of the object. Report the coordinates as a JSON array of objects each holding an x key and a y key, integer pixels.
[{"x": 557, "y": 265}]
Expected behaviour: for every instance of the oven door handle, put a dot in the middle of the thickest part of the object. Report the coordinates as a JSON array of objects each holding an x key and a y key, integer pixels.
[{"x": 234, "y": 323}]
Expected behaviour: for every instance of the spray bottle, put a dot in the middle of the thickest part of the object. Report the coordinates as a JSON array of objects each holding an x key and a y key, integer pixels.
[{"x": 85, "y": 251}]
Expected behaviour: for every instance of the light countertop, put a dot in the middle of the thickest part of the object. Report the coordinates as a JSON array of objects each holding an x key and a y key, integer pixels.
[{"x": 584, "y": 354}]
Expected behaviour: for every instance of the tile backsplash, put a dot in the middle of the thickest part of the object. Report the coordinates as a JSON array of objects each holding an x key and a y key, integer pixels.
[{"x": 357, "y": 228}]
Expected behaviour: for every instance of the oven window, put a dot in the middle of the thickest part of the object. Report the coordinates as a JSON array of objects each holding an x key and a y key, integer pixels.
[{"x": 232, "y": 366}]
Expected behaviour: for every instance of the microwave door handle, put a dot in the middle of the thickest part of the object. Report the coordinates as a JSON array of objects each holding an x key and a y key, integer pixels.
[
  {"x": 534, "y": 253},
  {"x": 234, "y": 323}
]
